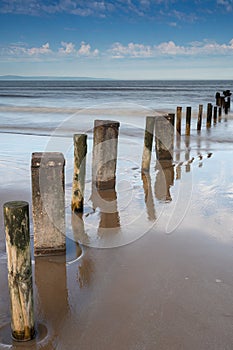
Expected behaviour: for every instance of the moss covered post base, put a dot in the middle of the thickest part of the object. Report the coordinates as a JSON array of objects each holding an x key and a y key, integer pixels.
[{"x": 16, "y": 220}]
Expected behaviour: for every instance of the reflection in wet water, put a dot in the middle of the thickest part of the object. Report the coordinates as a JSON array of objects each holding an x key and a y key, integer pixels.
[
  {"x": 149, "y": 200},
  {"x": 85, "y": 271},
  {"x": 52, "y": 294},
  {"x": 164, "y": 180},
  {"x": 106, "y": 201},
  {"x": 78, "y": 228}
]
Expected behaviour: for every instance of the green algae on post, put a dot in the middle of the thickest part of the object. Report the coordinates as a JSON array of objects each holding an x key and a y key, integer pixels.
[{"x": 16, "y": 220}]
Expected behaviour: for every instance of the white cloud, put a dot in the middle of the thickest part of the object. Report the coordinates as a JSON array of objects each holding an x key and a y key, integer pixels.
[
  {"x": 44, "y": 49},
  {"x": 131, "y": 50},
  {"x": 21, "y": 49},
  {"x": 205, "y": 48},
  {"x": 194, "y": 48},
  {"x": 227, "y": 4},
  {"x": 85, "y": 50},
  {"x": 170, "y": 48},
  {"x": 67, "y": 48}
]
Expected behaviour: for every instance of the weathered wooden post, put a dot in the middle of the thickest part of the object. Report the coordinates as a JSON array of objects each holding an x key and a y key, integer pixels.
[
  {"x": 164, "y": 133},
  {"x": 215, "y": 114},
  {"x": 209, "y": 115},
  {"x": 219, "y": 114},
  {"x": 178, "y": 120},
  {"x": 188, "y": 120},
  {"x": 199, "y": 118},
  {"x": 218, "y": 98},
  {"x": 16, "y": 219},
  {"x": 48, "y": 203},
  {"x": 80, "y": 151},
  {"x": 104, "y": 158},
  {"x": 148, "y": 141}
]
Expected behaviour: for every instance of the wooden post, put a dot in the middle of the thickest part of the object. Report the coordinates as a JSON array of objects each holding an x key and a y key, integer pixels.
[
  {"x": 178, "y": 120},
  {"x": 188, "y": 120},
  {"x": 48, "y": 203},
  {"x": 209, "y": 115},
  {"x": 80, "y": 151},
  {"x": 219, "y": 114},
  {"x": 215, "y": 114},
  {"x": 16, "y": 219},
  {"x": 218, "y": 99},
  {"x": 164, "y": 132},
  {"x": 199, "y": 119},
  {"x": 148, "y": 141},
  {"x": 105, "y": 154}
]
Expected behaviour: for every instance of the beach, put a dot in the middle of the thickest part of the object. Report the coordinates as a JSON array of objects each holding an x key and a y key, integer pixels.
[{"x": 155, "y": 272}]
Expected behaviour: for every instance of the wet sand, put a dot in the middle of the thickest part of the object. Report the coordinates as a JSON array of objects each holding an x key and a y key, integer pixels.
[{"x": 166, "y": 280}]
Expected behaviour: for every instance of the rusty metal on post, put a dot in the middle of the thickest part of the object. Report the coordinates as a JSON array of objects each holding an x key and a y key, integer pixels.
[
  {"x": 80, "y": 151},
  {"x": 16, "y": 220},
  {"x": 164, "y": 136},
  {"x": 178, "y": 120},
  {"x": 199, "y": 118},
  {"x": 48, "y": 203},
  {"x": 148, "y": 141},
  {"x": 209, "y": 115},
  {"x": 104, "y": 159},
  {"x": 188, "y": 120}
]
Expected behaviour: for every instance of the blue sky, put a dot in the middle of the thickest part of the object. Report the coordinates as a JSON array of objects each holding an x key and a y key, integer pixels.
[{"x": 121, "y": 39}]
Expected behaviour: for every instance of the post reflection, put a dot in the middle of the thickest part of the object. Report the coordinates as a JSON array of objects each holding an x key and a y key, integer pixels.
[
  {"x": 85, "y": 272},
  {"x": 177, "y": 153},
  {"x": 106, "y": 202},
  {"x": 187, "y": 154},
  {"x": 50, "y": 277},
  {"x": 148, "y": 196},
  {"x": 164, "y": 180},
  {"x": 78, "y": 228}
]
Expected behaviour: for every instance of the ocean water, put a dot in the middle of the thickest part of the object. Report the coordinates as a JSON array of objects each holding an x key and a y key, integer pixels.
[
  {"x": 40, "y": 106},
  {"x": 83, "y": 94}
]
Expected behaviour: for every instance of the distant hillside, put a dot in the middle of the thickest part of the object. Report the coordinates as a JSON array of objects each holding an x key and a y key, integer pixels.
[{"x": 19, "y": 77}]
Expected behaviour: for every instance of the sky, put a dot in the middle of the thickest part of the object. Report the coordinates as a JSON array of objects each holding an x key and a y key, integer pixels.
[{"x": 117, "y": 39}]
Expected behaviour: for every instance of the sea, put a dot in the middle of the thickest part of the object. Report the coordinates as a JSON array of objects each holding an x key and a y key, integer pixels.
[{"x": 157, "y": 94}]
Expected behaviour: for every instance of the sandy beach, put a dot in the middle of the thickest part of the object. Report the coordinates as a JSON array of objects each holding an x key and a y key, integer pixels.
[{"x": 156, "y": 273}]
